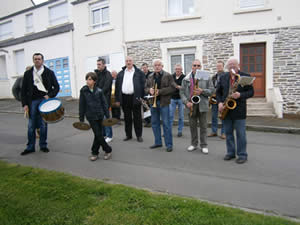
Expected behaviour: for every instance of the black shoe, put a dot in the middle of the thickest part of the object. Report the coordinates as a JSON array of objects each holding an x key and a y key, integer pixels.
[
  {"x": 147, "y": 125},
  {"x": 127, "y": 138},
  {"x": 139, "y": 139},
  {"x": 25, "y": 152},
  {"x": 179, "y": 134},
  {"x": 155, "y": 146},
  {"x": 240, "y": 161},
  {"x": 169, "y": 149},
  {"x": 229, "y": 157},
  {"x": 44, "y": 150}
]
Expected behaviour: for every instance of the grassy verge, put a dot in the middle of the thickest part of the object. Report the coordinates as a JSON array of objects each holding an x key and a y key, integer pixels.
[{"x": 39, "y": 197}]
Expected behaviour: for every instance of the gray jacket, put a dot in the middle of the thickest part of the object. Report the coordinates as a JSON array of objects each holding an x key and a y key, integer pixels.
[{"x": 205, "y": 85}]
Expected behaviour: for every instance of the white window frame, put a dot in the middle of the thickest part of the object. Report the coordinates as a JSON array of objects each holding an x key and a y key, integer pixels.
[
  {"x": 60, "y": 20},
  {"x": 9, "y": 34},
  {"x": 181, "y": 12},
  {"x": 3, "y": 72},
  {"x": 29, "y": 28},
  {"x": 239, "y": 10},
  {"x": 167, "y": 47},
  {"x": 19, "y": 65},
  {"x": 99, "y": 6},
  {"x": 182, "y": 52}
]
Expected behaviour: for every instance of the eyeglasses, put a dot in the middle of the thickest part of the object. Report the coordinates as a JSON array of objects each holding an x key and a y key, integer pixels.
[{"x": 196, "y": 65}]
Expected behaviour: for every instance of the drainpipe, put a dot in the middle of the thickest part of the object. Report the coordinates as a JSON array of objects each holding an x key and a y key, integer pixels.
[
  {"x": 74, "y": 64},
  {"x": 123, "y": 28}
]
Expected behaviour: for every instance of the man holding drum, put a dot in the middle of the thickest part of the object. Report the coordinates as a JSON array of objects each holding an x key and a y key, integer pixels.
[{"x": 39, "y": 83}]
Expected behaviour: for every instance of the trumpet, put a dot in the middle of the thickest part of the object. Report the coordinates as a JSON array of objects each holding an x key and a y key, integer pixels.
[
  {"x": 155, "y": 96},
  {"x": 229, "y": 102},
  {"x": 195, "y": 99}
]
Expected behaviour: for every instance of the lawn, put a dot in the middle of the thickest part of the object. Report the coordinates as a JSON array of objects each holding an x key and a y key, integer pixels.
[{"x": 39, "y": 197}]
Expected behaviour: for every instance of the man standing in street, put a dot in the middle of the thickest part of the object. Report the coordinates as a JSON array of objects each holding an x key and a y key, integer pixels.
[
  {"x": 104, "y": 82},
  {"x": 161, "y": 85},
  {"x": 235, "y": 118},
  {"x": 198, "y": 111},
  {"x": 214, "y": 107},
  {"x": 115, "y": 111},
  {"x": 129, "y": 89},
  {"x": 176, "y": 100},
  {"x": 39, "y": 83}
]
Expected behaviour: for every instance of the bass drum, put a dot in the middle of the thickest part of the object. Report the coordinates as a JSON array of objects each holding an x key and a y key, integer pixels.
[{"x": 16, "y": 89}]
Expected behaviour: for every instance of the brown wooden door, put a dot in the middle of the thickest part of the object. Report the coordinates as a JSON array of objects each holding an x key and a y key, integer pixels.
[{"x": 253, "y": 61}]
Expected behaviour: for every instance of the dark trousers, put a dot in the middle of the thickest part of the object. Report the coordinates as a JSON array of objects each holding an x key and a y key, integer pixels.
[
  {"x": 99, "y": 140},
  {"x": 130, "y": 109},
  {"x": 116, "y": 112}
]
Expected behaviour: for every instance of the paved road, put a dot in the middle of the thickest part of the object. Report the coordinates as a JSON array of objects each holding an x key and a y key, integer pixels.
[{"x": 269, "y": 181}]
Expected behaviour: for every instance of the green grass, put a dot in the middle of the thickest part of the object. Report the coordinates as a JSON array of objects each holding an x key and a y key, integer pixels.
[{"x": 39, "y": 197}]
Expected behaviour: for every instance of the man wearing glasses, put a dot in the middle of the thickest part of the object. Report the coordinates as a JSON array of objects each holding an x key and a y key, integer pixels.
[{"x": 199, "y": 111}]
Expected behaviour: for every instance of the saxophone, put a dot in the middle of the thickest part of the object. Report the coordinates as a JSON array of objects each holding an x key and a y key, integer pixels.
[
  {"x": 230, "y": 103},
  {"x": 195, "y": 99}
]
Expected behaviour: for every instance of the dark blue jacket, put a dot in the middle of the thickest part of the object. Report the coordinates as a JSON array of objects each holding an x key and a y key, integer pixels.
[
  {"x": 240, "y": 112},
  {"x": 92, "y": 105}
]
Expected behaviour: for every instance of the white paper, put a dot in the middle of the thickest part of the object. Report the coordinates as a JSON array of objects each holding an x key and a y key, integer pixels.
[{"x": 147, "y": 114}]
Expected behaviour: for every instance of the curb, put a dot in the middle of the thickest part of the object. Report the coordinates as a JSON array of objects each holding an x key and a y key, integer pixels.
[{"x": 270, "y": 129}]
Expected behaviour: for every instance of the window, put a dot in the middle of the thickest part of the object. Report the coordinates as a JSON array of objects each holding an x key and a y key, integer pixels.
[
  {"x": 99, "y": 15},
  {"x": 29, "y": 23},
  {"x": 3, "y": 71},
  {"x": 6, "y": 30},
  {"x": 58, "y": 14},
  {"x": 184, "y": 57},
  {"x": 180, "y": 8},
  {"x": 249, "y": 4},
  {"x": 20, "y": 62}
]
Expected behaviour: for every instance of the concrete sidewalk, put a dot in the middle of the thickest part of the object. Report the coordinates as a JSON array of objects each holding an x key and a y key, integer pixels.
[{"x": 264, "y": 124}]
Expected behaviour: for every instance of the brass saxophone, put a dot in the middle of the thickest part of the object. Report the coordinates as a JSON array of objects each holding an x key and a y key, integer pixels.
[
  {"x": 230, "y": 103},
  {"x": 195, "y": 99},
  {"x": 213, "y": 99}
]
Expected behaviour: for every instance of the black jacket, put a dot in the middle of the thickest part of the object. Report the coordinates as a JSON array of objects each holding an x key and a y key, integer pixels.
[
  {"x": 240, "y": 112},
  {"x": 138, "y": 85},
  {"x": 49, "y": 81},
  {"x": 178, "y": 82},
  {"x": 92, "y": 104},
  {"x": 104, "y": 82}
]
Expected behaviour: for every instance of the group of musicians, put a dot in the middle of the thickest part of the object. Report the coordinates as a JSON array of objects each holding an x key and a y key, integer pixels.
[{"x": 164, "y": 93}]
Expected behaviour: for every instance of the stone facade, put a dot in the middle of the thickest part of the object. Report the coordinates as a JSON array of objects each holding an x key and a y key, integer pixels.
[{"x": 219, "y": 46}]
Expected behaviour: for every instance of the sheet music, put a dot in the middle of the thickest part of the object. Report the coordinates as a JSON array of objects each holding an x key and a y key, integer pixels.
[
  {"x": 246, "y": 81},
  {"x": 202, "y": 74}
]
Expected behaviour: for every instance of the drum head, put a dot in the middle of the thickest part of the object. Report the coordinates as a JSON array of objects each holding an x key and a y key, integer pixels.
[
  {"x": 50, "y": 105},
  {"x": 81, "y": 126}
]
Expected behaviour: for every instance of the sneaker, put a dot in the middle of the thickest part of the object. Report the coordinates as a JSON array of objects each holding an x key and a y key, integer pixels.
[
  {"x": 107, "y": 156},
  {"x": 179, "y": 134},
  {"x": 223, "y": 136},
  {"x": 108, "y": 139},
  {"x": 93, "y": 157},
  {"x": 205, "y": 150},
  {"x": 191, "y": 148}
]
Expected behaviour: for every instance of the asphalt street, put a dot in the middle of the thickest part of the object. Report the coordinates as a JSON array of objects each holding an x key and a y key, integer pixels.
[{"x": 268, "y": 182}]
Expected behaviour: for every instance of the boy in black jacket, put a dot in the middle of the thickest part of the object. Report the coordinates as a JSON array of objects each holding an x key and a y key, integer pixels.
[{"x": 93, "y": 106}]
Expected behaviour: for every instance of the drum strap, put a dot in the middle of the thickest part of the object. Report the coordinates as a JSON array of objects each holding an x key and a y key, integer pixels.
[{"x": 37, "y": 79}]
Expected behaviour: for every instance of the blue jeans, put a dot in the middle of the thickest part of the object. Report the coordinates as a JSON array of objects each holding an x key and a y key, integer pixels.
[
  {"x": 164, "y": 113},
  {"x": 241, "y": 142},
  {"x": 107, "y": 131},
  {"x": 35, "y": 121},
  {"x": 214, "y": 120},
  {"x": 174, "y": 103}
]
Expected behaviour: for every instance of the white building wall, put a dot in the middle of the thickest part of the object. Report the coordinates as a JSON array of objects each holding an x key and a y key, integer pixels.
[
  {"x": 89, "y": 45},
  {"x": 52, "y": 47},
  {"x": 148, "y": 19}
]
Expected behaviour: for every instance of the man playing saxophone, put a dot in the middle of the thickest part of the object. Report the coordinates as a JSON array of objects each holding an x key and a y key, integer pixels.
[
  {"x": 235, "y": 119},
  {"x": 191, "y": 90}
]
